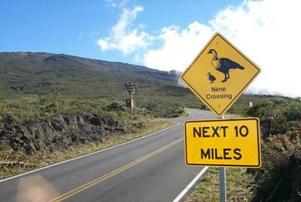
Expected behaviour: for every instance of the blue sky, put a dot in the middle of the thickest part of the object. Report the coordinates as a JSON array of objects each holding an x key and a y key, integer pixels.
[
  {"x": 161, "y": 34},
  {"x": 74, "y": 26}
]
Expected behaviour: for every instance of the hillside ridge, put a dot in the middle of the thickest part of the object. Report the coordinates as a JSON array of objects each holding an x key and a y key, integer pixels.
[{"x": 23, "y": 73}]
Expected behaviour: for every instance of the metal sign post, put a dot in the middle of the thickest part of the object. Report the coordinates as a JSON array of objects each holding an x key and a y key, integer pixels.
[
  {"x": 222, "y": 180},
  {"x": 222, "y": 184}
]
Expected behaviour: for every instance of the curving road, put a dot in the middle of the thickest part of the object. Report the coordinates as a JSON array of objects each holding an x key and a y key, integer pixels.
[{"x": 147, "y": 169}]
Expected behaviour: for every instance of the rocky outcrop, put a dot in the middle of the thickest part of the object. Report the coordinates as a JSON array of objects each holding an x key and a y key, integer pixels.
[{"x": 59, "y": 132}]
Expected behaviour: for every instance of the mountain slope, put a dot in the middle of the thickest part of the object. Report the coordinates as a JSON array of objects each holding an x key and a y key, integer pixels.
[{"x": 41, "y": 73}]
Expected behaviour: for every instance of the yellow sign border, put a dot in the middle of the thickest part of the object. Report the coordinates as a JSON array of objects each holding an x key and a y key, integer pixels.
[
  {"x": 227, "y": 165},
  {"x": 238, "y": 94}
]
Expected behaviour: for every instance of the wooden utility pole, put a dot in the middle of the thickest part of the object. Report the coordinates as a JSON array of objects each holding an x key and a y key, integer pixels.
[{"x": 131, "y": 88}]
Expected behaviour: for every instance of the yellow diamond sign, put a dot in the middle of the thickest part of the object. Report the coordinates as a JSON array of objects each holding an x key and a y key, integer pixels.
[{"x": 219, "y": 74}]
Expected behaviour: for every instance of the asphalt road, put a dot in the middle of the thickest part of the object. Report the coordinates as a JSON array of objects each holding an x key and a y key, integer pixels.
[{"x": 148, "y": 169}]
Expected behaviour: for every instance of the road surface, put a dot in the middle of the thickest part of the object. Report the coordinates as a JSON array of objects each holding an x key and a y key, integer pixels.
[{"x": 148, "y": 169}]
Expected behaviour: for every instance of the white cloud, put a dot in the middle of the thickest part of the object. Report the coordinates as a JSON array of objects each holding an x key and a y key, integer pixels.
[
  {"x": 179, "y": 47},
  {"x": 267, "y": 31},
  {"x": 122, "y": 37},
  {"x": 116, "y": 3}
]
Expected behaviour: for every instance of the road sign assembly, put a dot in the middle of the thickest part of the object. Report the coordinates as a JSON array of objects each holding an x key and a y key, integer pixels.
[
  {"x": 232, "y": 142},
  {"x": 219, "y": 74}
]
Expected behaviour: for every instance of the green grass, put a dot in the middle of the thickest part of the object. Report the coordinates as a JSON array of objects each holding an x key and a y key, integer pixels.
[{"x": 238, "y": 186}]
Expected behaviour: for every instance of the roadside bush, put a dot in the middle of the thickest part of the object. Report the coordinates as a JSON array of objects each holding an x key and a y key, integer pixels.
[
  {"x": 279, "y": 178},
  {"x": 175, "y": 110},
  {"x": 292, "y": 111},
  {"x": 116, "y": 106},
  {"x": 8, "y": 120},
  {"x": 276, "y": 117},
  {"x": 169, "y": 110}
]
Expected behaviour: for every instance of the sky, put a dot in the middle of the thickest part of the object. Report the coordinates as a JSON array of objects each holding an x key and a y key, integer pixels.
[{"x": 162, "y": 34}]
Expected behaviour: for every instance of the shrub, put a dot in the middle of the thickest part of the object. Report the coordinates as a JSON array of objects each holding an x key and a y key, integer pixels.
[
  {"x": 116, "y": 106},
  {"x": 275, "y": 179},
  {"x": 276, "y": 117},
  {"x": 279, "y": 178},
  {"x": 168, "y": 110}
]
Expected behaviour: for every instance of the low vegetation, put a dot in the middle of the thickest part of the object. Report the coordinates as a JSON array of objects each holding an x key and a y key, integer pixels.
[
  {"x": 279, "y": 178},
  {"x": 40, "y": 130},
  {"x": 280, "y": 175}
]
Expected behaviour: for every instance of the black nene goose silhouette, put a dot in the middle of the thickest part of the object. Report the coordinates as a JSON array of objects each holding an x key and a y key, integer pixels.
[
  {"x": 211, "y": 77},
  {"x": 223, "y": 64}
]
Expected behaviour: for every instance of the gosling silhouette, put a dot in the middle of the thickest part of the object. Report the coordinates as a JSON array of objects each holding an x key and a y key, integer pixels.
[{"x": 211, "y": 77}]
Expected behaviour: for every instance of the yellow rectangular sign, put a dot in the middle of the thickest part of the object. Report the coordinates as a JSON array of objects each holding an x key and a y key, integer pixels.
[{"x": 232, "y": 142}]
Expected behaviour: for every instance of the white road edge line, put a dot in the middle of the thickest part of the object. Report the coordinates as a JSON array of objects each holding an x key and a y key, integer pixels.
[
  {"x": 188, "y": 187},
  {"x": 83, "y": 156}
]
